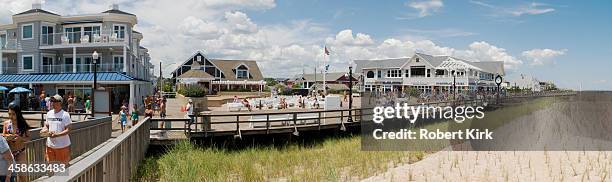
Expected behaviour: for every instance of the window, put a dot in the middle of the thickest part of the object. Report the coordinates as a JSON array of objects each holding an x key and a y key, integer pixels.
[
  {"x": 118, "y": 63},
  {"x": 48, "y": 65},
  {"x": 242, "y": 72},
  {"x": 417, "y": 60},
  {"x": 407, "y": 72},
  {"x": 26, "y": 31},
  {"x": 370, "y": 74},
  {"x": 27, "y": 63},
  {"x": 439, "y": 72},
  {"x": 91, "y": 31},
  {"x": 379, "y": 74},
  {"x": 394, "y": 73},
  {"x": 120, "y": 31},
  {"x": 73, "y": 34},
  {"x": 46, "y": 35},
  {"x": 68, "y": 64}
]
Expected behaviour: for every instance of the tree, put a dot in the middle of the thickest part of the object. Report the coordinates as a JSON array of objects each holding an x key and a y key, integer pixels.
[
  {"x": 297, "y": 85},
  {"x": 270, "y": 81}
]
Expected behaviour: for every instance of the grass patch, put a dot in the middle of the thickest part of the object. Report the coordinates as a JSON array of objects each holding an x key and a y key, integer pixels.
[{"x": 331, "y": 160}]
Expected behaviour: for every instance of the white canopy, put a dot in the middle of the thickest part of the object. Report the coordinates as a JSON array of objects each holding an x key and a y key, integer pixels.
[
  {"x": 456, "y": 65},
  {"x": 244, "y": 82}
]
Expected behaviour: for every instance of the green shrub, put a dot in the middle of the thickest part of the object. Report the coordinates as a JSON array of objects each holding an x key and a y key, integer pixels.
[{"x": 193, "y": 92}]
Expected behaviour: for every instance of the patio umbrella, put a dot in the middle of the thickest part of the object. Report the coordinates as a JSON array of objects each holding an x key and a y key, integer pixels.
[
  {"x": 3, "y": 88},
  {"x": 19, "y": 90}
]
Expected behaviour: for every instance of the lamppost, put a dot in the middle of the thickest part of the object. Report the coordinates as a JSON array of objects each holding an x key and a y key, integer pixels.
[
  {"x": 95, "y": 57},
  {"x": 454, "y": 84},
  {"x": 350, "y": 104}
]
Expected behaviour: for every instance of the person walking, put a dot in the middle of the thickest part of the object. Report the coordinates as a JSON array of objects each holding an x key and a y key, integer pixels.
[
  {"x": 134, "y": 115},
  {"x": 57, "y": 129},
  {"x": 88, "y": 105},
  {"x": 16, "y": 132},
  {"x": 162, "y": 114},
  {"x": 122, "y": 118},
  {"x": 70, "y": 102},
  {"x": 189, "y": 109},
  {"x": 6, "y": 161}
]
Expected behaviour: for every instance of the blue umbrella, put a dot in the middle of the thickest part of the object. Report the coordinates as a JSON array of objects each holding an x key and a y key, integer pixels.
[
  {"x": 19, "y": 90},
  {"x": 3, "y": 88}
]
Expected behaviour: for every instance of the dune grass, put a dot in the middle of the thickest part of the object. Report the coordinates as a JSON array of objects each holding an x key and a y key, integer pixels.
[{"x": 331, "y": 160}]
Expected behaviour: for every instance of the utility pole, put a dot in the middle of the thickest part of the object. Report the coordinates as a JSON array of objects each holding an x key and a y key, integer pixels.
[{"x": 161, "y": 79}]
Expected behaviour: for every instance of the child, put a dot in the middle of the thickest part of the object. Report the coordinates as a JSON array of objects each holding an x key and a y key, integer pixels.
[
  {"x": 134, "y": 115},
  {"x": 123, "y": 118}
]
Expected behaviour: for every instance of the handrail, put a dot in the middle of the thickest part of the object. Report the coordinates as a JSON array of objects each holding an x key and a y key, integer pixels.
[
  {"x": 84, "y": 136},
  {"x": 117, "y": 160}
]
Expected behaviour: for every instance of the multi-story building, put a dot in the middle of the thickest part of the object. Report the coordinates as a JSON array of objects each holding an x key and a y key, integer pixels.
[
  {"x": 45, "y": 51},
  {"x": 428, "y": 73}
]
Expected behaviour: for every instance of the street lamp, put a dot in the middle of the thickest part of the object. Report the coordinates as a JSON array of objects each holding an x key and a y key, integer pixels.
[
  {"x": 95, "y": 57},
  {"x": 350, "y": 105},
  {"x": 454, "y": 84}
]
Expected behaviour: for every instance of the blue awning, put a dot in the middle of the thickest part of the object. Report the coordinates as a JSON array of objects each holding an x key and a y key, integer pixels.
[{"x": 63, "y": 77}]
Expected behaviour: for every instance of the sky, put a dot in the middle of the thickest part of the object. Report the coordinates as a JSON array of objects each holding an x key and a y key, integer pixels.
[{"x": 566, "y": 42}]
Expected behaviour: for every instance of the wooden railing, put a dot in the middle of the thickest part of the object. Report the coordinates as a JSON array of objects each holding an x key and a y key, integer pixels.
[
  {"x": 84, "y": 136},
  {"x": 116, "y": 160}
]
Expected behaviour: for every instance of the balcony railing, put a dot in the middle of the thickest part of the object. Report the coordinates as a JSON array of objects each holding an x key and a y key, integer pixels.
[
  {"x": 71, "y": 38},
  {"x": 10, "y": 44},
  {"x": 81, "y": 68}
]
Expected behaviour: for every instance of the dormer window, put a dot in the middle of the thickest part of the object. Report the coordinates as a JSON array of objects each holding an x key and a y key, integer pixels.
[{"x": 242, "y": 72}]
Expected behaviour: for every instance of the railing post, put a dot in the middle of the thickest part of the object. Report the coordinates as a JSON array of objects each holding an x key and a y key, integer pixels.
[
  {"x": 319, "y": 119},
  {"x": 237, "y": 124},
  {"x": 42, "y": 119},
  {"x": 267, "y": 123}
]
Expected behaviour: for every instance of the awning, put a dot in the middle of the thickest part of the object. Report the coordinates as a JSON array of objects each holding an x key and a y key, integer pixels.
[
  {"x": 62, "y": 77},
  {"x": 244, "y": 82}
]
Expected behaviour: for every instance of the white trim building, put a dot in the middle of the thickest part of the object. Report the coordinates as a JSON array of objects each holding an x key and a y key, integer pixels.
[{"x": 428, "y": 73}]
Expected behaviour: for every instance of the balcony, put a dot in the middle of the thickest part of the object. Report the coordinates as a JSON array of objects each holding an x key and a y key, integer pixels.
[
  {"x": 82, "y": 39},
  {"x": 81, "y": 68},
  {"x": 10, "y": 45}
]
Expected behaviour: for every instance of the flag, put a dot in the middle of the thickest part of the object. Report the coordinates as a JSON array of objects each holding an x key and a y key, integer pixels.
[{"x": 326, "y": 51}]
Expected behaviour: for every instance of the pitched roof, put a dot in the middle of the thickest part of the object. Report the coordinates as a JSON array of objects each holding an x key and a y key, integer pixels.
[
  {"x": 228, "y": 68},
  {"x": 36, "y": 11},
  {"x": 115, "y": 11},
  {"x": 380, "y": 63},
  {"x": 433, "y": 60},
  {"x": 195, "y": 73}
]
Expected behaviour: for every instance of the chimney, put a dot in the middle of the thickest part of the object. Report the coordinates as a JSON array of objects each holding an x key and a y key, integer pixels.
[
  {"x": 114, "y": 7},
  {"x": 36, "y": 5}
]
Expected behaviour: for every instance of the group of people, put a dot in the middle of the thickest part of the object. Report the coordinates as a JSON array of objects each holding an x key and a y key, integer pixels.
[
  {"x": 42, "y": 103},
  {"x": 151, "y": 106},
  {"x": 16, "y": 133}
]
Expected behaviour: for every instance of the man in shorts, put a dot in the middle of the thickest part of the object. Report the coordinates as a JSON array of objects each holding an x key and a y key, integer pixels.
[{"x": 57, "y": 125}]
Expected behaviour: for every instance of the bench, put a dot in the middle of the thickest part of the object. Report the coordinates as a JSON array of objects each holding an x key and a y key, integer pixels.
[
  {"x": 284, "y": 118},
  {"x": 234, "y": 106}
]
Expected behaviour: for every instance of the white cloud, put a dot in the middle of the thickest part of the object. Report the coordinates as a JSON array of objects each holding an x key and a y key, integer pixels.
[
  {"x": 196, "y": 27},
  {"x": 483, "y": 51},
  {"x": 531, "y": 9},
  {"x": 426, "y": 7},
  {"x": 240, "y": 22},
  {"x": 543, "y": 56}
]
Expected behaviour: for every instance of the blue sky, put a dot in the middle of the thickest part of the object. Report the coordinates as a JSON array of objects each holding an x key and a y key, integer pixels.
[
  {"x": 564, "y": 41},
  {"x": 583, "y": 28}
]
